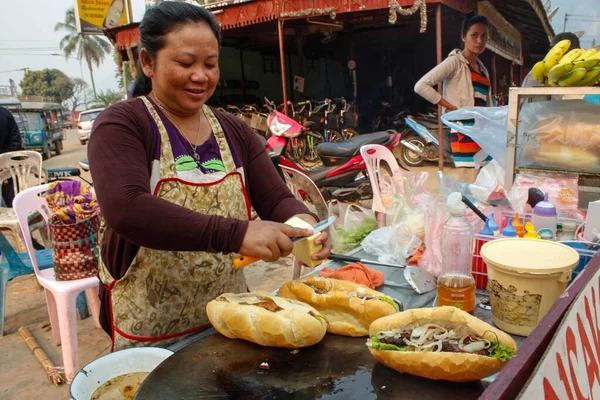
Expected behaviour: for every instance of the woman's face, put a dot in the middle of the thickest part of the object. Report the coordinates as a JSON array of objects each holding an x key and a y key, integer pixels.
[
  {"x": 476, "y": 38},
  {"x": 185, "y": 71}
]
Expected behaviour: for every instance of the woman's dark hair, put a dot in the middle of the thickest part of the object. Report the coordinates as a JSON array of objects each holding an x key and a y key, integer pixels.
[
  {"x": 470, "y": 20},
  {"x": 158, "y": 22}
]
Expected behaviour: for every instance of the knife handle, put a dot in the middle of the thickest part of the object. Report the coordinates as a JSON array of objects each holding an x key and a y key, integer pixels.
[
  {"x": 242, "y": 260},
  {"x": 339, "y": 257}
]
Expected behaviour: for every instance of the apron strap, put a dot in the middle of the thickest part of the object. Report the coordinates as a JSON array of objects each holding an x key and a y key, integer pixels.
[
  {"x": 217, "y": 129},
  {"x": 167, "y": 162}
]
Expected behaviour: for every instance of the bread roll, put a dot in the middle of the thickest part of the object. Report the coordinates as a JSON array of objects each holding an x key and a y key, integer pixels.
[
  {"x": 348, "y": 307},
  {"x": 266, "y": 320},
  {"x": 451, "y": 366}
]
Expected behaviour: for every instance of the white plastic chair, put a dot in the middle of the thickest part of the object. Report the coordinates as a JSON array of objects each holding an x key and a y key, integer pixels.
[
  {"x": 60, "y": 295},
  {"x": 297, "y": 182},
  {"x": 25, "y": 169},
  {"x": 382, "y": 183}
]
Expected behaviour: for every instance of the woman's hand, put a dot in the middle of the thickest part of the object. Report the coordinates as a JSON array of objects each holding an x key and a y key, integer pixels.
[
  {"x": 447, "y": 105},
  {"x": 322, "y": 240},
  {"x": 270, "y": 241}
]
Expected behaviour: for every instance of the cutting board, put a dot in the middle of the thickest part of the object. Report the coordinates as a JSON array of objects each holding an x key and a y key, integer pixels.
[{"x": 216, "y": 367}]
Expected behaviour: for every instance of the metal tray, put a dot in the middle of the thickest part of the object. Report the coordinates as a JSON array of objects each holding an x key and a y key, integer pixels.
[{"x": 339, "y": 367}]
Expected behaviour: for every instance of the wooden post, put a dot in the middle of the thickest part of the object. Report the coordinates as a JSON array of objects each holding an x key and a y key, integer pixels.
[
  {"x": 282, "y": 64},
  {"x": 438, "y": 43}
]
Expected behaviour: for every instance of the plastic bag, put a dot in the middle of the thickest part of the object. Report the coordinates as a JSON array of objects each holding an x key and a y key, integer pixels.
[
  {"x": 436, "y": 214},
  {"x": 407, "y": 186},
  {"x": 558, "y": 134},
  {"x": 561, "y": 135},
  {"x": 392, "y": 244},
  {"x": 489, "y": 186},
  {"x": 562, "y": 190},
  {"x": 488, "y": 131},
  {"x": 353, "y": 223}
]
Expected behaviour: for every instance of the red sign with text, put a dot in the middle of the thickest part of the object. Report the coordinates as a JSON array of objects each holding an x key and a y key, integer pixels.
[{"x": 569, "y": 369}]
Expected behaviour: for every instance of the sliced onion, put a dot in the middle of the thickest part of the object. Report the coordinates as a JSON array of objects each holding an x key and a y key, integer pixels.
[
  {"x": 433, "y": 346},
  {"x": 424, "y": 337},
  {"x": 488, "y": 344},
  {"x": 444, "y": 336},
  {"x": 474, "y": 347},
  {"x": 397, "y": 335},
  {"x": 418, "y": 332},
  {"x": 384, "y": 334}
]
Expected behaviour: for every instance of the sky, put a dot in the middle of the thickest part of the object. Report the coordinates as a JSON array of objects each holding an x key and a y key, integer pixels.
[{"x": 27, "y": 36}]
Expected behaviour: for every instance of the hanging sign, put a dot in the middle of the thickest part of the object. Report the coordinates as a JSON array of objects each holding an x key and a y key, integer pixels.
[
  {"x": 504, "y": 39},
  {"x": 93, "y": 16},
  {"x": 569, "y": 368}
]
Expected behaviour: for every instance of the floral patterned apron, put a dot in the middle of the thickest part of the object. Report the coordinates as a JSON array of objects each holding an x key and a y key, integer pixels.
[{"x": 163, "y": 294}]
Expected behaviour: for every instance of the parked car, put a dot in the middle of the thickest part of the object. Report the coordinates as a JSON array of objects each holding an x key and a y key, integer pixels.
[{"x": 86, "y": 121}]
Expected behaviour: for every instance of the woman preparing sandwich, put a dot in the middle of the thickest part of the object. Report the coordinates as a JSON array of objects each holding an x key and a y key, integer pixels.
[
  {"x": 175, "y": 180},
  {"x": 465, "y": 84}
]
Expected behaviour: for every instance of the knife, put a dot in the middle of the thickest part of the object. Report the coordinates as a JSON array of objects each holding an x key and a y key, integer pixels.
[{"x": 242, "y": 260}]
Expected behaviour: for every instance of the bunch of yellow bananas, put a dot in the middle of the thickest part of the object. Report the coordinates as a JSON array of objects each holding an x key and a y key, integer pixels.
[{"x": 578, "y": 67}]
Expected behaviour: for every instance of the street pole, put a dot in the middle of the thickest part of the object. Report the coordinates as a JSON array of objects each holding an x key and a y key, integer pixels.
[
  {"x": 83, "y": 81},
  {"x": 125, "y": 64},
  {"x": 438, "y": 45},
  {"x": 565, "y": 24}
]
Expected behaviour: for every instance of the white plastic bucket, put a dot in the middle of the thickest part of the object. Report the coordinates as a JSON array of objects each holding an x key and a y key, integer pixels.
[
  {"x": 105, "y": 368},
  {"x": 525, "y": 278}
]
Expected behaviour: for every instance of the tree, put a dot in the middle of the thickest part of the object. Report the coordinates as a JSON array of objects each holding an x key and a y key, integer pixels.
[
  {"x": 110, "y": 97},
  {"x": 126, "y": 70},
  {"x": 47, "y": 83},
  {"x": 90, "y": 48},
  {"x": 79, "y": 96}
]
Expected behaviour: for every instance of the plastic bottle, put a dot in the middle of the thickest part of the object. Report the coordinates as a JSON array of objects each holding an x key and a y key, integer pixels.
[
  {"x": 568, "y": 231},
  {"x": 509, "y": 230},
  {"x": 456, "y": 286},
  {"x": 544, "y": 216},
  {"x": 494, "y": 226},
  {"x": 531, "y": 231},
  {"x": 518, "y": 225}
]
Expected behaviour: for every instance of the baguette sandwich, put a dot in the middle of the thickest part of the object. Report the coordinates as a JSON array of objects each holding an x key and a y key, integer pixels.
[
  {"x": 266, "y": 320},
  {"x": 440, "y": 343},
  {"x": 348, "y": 307}
]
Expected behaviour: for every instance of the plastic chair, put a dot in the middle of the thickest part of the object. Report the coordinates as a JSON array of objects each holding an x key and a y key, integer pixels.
[
  {"x": 60, "y": 295},
  {"x": 300, "y": 184},
  {"x": 382, "y": 183},
  {"x": 25, "y": 169},
  {"x": 16, "y": 264}
]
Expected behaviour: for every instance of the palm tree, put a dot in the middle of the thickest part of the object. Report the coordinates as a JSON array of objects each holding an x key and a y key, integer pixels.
[{"x": 90, "y": 48}]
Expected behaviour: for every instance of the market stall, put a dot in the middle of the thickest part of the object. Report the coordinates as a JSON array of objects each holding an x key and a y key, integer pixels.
[{"x": 210, "y": 365}]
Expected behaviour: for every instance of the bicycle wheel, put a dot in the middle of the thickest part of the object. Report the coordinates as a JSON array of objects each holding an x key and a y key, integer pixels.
[
  {"x": 295, "y": 149},
  {"x": 335, "y": 136},
  {"x": 312, "y": 139}
]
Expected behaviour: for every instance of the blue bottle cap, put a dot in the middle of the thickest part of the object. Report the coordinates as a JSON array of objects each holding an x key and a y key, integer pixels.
[
  {"x": 486, "y": 229},
  {"x": 509, "y": 231},
  {"x": 492, "y": 223}
]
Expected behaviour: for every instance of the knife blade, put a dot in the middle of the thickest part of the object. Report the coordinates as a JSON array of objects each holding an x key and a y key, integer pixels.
[{"x": 242, "y": 260}]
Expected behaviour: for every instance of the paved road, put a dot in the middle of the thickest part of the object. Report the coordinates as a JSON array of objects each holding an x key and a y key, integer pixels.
[{"x": 73, "y": 152}]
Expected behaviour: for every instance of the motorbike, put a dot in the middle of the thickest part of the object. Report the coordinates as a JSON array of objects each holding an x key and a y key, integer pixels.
[
  {"x": 420, "y": 142},
  {"x": 343, "y": 173},
  {"x": 387, "y": 118},
  {"x": 66, "y": 173}
]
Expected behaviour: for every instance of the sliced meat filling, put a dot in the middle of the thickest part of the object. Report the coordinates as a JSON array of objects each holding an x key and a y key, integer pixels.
[
  {"x": 266, "y": 304},
  {"x": 316, "y": 289}
]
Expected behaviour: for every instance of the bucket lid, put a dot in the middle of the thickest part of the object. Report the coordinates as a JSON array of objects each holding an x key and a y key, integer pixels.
[{"x": 539, "y": 257}]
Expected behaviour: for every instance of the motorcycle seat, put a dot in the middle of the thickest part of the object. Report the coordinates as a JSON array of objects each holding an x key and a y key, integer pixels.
[
  {"x": 310, "y": 125},
  {"x": 319, "y": 174},
  {"x": 62, "y": 172},
  {"x": 351, "y": 147}
]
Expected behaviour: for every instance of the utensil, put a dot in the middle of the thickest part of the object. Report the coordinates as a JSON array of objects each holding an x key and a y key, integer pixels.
[
  {"x": 242, "y": 260},
  {"x": 420, "y": 280},
  {"x": 474, "y": 208}
]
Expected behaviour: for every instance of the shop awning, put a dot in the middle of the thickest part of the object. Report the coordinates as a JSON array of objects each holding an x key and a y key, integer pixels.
[{"x": 528, "y": 17}]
